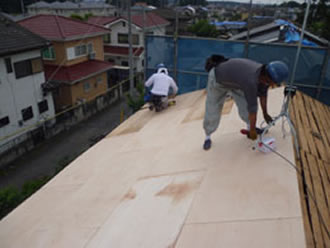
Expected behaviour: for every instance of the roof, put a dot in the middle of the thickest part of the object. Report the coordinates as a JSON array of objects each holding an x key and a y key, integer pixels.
[
  {"x": 60, "y": 28},
  {"x": 70, "y": 5},
  {"x": 271, "y": 32},
  {"x": 72, "y": 74},
  {"x": 15, "y": 39},
  {"x": 132, "y": 190},
  {"x": 152, "y": 20},
  {"x": 123, "y": 51},
  {"x": 102, "y": 20}
]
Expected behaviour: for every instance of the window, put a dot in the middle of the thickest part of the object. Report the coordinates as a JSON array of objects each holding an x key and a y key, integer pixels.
[
  {"x": 4, "y": 121},
  {"x": 80, "y": 50},
  {"x": 123, "y": 39},
  {"x": 124, "y": 24},
  {"x": 27, "y": 113},
  {"x": 99, "y": 80},
  {"x": 87, "y": 86},
  {"x": 28, "y": 67},
  {"x": 8, "y": 65},
  {"x": 43, "y": 106},
  {"x": 107, "y": 38},
  {"x": 124, "y": 63},
  {"x": 48, "y": 53},
  {"x": 36, "y": 65},
  {"x": 90, "y": 48},
  {"x": 23, "y": 68}
]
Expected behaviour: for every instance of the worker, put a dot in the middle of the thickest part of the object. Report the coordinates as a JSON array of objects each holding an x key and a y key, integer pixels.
[
  {"x": 246, "y": 80},
  {"x": 161, "y": 84}
]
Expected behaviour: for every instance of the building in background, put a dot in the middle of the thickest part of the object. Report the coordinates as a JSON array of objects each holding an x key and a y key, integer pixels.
[
  {"x": 116, "y": 46},
  {"x": 68, "y": 8},
  {"x": 23, "y": 103},
  {"x": 74, "y": 64}
]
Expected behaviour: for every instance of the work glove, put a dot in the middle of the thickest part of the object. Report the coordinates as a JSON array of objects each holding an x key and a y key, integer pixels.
[
  {"x": 268, "y": 118},
  {"x": 252, "y": 134}
]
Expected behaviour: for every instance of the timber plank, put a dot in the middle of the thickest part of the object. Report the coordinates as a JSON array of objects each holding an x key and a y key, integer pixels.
[
  {"x": 319, "y": 195},
  {"x": 304, "y": 204},
  {"x": 316, "y": 228},
  {"x": 322, "y": 123},
  {"x": 305, "y": 126}
]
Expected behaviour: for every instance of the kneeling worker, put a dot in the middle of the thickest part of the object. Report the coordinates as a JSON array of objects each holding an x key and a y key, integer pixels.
[
  {"x": 246, "y": 80},
  {"x": 161, "y": 83}
]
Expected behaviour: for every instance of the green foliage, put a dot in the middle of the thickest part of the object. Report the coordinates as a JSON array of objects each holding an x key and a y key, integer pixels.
[
  {"x": 81, "y": 18},
  {"x": 77, "y": 17},
  {"x": 203, "y": 29},
  {"x": 10, "y": 197},
  {"x": 136, "y": 102},
  {"x": 32, "y": 186}
]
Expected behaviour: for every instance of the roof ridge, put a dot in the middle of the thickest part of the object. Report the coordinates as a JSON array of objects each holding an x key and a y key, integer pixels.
[
  {"x": 62, "y": 32},
  {"x": 82, "y": 22}
]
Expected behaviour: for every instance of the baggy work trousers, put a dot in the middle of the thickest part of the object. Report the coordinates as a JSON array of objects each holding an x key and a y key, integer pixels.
[{"x": 216, "y": 96}]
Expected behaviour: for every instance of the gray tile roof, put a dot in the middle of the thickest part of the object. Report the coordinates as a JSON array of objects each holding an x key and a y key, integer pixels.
[{"x": 15, "y": 39}]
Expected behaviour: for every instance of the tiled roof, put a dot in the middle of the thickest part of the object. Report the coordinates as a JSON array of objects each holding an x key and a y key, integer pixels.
[
  {"x": 74, "y": 73},
  {"x": 117, "y": 50},
  {"x": 15, "y": 38},
  {"x": 102, "y": 20},
  {"x": 54, "y": 27},
  {"x": 152, "y": 20}
]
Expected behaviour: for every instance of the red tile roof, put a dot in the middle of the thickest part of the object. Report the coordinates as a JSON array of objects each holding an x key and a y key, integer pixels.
[
  {"x": 117, "y": 50},
  {"x": 74, "y": 73},
  {"x": 152, "y": 20},
  {"x": 54, "y": 27},
  {"x": 101, "y": 20}
]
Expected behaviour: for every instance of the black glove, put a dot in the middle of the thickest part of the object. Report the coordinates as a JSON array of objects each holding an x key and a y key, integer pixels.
[{"x": 268, "y": 118}]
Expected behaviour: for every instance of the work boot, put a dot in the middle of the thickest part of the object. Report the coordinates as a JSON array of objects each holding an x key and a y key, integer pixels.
[{"x": 207, "y": 144}]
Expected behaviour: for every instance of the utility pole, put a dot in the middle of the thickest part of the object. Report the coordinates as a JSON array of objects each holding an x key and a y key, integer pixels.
[
  {"x": 248, "y": 31},
  {"x": 22, "y": 7},
  {"x": 130, "y": 61}
]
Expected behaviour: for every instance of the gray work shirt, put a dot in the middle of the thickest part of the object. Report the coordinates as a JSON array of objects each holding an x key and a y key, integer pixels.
[{"x": 242, "y": 74}]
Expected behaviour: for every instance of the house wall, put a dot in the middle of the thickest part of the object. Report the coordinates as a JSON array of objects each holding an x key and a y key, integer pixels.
[
  {"x": 17, "y": 94},
  {"x": 61, "y": 52},
  {"x": 97, "y": 86}
]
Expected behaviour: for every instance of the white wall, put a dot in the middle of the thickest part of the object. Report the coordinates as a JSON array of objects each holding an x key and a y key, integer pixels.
[
  {"x": 117, "y": 27},
  {"x": 17, "y": 94}
]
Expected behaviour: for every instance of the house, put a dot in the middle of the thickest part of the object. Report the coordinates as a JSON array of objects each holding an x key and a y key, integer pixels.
[
  {"x": 22, "y": 100},
  {"x": 68, "y": 8},
  {"x": 280, "y": 31},
  {"x": 116, "y": 46},
  {"x": 74, "y": 65}
]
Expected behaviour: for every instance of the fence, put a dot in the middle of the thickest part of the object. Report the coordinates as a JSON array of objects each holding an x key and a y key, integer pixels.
[
  {"x": 185, "y": 58},
  {"x": 25, "y": 139}
]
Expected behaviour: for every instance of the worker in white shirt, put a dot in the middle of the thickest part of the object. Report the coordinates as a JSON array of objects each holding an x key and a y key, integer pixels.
[{"x": 161, "y": 83}]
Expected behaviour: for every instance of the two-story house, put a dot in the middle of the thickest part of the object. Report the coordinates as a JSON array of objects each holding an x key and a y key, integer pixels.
[
  {"x": 74, "y": 65},
  {"x": 116, "y": 46},
  {"x": 22, "y": 101}
]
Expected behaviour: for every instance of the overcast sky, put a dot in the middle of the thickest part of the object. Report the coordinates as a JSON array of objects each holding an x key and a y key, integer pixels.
[{"x": 260, "y": 1}]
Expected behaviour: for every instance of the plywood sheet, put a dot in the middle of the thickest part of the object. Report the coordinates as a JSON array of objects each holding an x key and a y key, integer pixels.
[
  {"x": 266, "y": 233},
  {"x": 151, "y": 214}
]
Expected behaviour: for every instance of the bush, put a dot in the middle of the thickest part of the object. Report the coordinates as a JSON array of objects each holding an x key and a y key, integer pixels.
[
  {"x": 135, "y": 103},
  {"x": 10, "y": 197}
]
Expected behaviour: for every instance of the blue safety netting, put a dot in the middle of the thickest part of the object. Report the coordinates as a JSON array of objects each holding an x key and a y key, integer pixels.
[{"x": 193, "y": 52}]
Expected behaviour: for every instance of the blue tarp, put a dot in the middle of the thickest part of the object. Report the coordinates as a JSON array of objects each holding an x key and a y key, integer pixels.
[
  {"x": 292, "y": 35},
  {"x": 228, "y": 23}
]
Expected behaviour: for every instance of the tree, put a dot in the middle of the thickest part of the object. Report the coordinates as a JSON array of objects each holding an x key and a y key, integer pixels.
[
  {"x": 203, "y": 29},
  {"x": 318, "y": 18}
]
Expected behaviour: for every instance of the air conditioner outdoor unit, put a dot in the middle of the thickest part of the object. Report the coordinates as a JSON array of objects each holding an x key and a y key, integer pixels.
[{"x": 91, "y": 56}]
